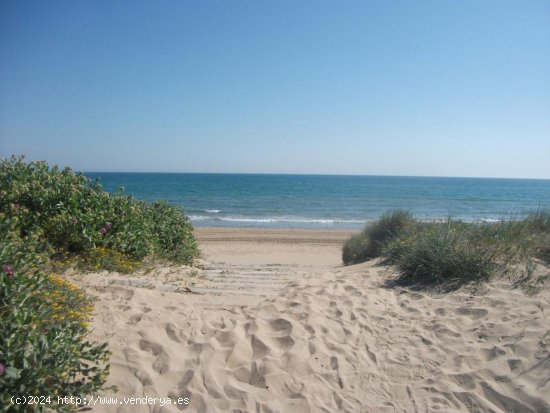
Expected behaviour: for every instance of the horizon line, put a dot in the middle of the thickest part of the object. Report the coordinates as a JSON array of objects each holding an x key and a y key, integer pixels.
[{"x": 310, "y": 174}]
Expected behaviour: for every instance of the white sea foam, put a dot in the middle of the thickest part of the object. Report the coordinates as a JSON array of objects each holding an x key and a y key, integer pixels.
[
  {"x": 232, "y": 219},
  {"x": 199, "y": 217},
  {"x": 283, "y": 219},
  {"x": 302, "y": 220}
]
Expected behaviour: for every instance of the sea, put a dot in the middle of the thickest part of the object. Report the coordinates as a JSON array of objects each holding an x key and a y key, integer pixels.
[{"x": 329, "y": 201}]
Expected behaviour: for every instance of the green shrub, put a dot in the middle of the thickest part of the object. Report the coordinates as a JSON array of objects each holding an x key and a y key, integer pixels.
[
  {"x": 371, "y": 241},
  {"x": 43, "y": 345},
  {"x": 51, "y": 219},
  {"x": 175, "y": 240},
  {"x": 73, "y": 215},
  {"x": 95, "y": 259}
]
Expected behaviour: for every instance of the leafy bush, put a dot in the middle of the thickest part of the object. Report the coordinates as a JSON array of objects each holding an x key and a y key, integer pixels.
[
  {"x": 370, "y": 242},
  {"x": 51, "y": 219},
  {"x": 72, "y": 215},
  {"x": 43, "y": 346}
]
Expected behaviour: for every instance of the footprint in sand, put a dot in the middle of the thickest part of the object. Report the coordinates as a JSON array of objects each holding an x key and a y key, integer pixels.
[
  {"x": 257, "y": 376},
  {"x": 226, "y": 338},
  {"x": 338, "y": 400},
  {"x": 442, "y": 332},
  {"x": 276, "y": 334},
  {"x": 515, "y": 365},
  {"x": 441, "y": 311},
  {"x": 354, "y": 292},
  {"x": 311, "y": 348},
  {"x": 162, "y": 362},
  {"x": 408, "y": 308},
  {"x": 121, "y": 294},
  {"x": 181, "y": 390},
  {"x": 493, "y": 353},
  {"x": 253, "y": 374},
  {"x": 474, "y": 313},
  {"x": 136, "y": 318},
  {"x": 425, "y": 341},
  {"x": 132, "y": 357},
  {"x": 334, "y": 365},
  {"x": 371, "y": 354},
  {"x": 174, "y": 333},
  {"x": 281, "y": 325},
  {"x": 285, "y": 343},
  {"x": 233, "y": 393},
  {"x": 259, "y": 349},
  {"x": 466, "y": 381},
  {"x": 334, "y": 310}
]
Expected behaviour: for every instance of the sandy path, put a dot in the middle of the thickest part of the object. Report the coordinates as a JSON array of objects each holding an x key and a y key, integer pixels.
[
  {"x": 259, "y": 262},
  {"x": 262, "y": 235},
  {"x": 283, "y": 327}
]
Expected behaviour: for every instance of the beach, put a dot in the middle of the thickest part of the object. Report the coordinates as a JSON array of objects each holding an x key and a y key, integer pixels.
[
  {"x": 274, "y": 207},
  {"x": 271, "y": 321}
]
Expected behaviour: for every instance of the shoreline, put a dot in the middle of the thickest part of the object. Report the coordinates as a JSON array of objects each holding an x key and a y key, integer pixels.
[
  {"x": 359, "y": 226},
  {"x": 274, "y": 235},
  {"x": 269, "y": 246}
]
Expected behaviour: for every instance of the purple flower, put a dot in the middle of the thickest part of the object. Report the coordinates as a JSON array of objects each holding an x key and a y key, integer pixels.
[
  {"x": 2, "y": 369},
  {"x": 75, "y": 220},
  {"x": 106, "y": 227},
  {"x": 8, "y": 269}
]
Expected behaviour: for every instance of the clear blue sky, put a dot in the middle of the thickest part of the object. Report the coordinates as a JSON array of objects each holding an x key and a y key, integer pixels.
[{"x": 444, "y": 88}]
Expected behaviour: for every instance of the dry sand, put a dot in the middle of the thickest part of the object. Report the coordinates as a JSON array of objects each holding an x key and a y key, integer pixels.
[{"x": 275, "y": 323}]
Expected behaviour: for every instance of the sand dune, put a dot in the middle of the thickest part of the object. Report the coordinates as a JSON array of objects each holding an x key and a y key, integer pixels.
[{"x": 273, "y": 326}]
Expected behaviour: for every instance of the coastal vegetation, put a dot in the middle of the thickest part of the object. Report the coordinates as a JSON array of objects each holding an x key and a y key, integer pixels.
[
  {"x": 452, "y": 253},
  {"x": 51, "y": 219},
  {"x": 370, "y": 242}
]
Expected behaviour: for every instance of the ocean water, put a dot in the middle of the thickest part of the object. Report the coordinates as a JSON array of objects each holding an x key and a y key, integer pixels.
[{"x": 319, "y": 201}]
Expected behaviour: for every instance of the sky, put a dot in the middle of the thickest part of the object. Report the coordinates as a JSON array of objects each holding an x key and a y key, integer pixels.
[{"x": 422, "y": 88}]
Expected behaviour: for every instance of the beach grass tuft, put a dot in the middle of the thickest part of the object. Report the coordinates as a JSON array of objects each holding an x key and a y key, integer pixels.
[
  {"x": 453, "y": 253},
  {"x": 539, "y": 224},
  {"x": 370, "y": 242},
  {"x": 443, "y": 254}
]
